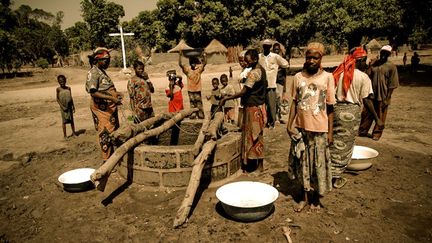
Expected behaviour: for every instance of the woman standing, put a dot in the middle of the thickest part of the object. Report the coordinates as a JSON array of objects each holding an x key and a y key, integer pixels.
[
  {"x": 104, "y": 99},
  {"x": 252, "y": 97},
  {"x": 310, "y": 126}
]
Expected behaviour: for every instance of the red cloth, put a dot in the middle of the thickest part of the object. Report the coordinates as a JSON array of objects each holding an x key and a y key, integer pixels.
[
  {"x": 176, "y": 104},
  {"x": 347, "y": 68}
]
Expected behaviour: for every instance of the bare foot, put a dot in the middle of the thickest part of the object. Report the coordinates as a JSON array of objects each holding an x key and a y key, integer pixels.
[
  {"x": 315, "y": 208},
  {"x": 300, "y": 206}
]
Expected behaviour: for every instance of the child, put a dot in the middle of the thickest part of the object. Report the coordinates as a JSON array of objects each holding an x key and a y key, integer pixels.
[
  {"x": 174, "y": 91},
  {"x": 65, "y": 101},
  {"x": 140, "y": 89},
  {"x": 227, "y": 90},
  {"x": 214, "y": 97}
]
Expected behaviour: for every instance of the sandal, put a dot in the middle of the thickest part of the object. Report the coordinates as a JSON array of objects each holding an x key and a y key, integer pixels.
[{"x": 339, "y": 182}]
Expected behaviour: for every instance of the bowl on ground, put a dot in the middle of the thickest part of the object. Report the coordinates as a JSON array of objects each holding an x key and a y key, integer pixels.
[
  {"x": 247, "y": 201},
  {"x": 358, "y": 166},
  {"x": 77, "y": 180},
  {"x": 362, "y": 152}
]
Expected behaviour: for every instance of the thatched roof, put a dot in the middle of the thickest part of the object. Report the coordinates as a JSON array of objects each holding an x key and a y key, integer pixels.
[
  {"x": 215, "y": 47},
  {"x": 373, "y": 44},
  {"x": 180, "y": 47}
]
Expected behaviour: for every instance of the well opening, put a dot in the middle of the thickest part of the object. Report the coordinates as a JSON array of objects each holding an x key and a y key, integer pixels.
[{"x": 167, "y": 162}]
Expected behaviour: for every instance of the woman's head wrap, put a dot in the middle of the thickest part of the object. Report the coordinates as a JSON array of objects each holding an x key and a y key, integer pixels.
[
  {"x": 101, "y": 53},
  {"x": 347, "y": 68}
]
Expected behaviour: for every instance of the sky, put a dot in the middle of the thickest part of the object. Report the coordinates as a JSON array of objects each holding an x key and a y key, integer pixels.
[{"x": 72, "y": 8}]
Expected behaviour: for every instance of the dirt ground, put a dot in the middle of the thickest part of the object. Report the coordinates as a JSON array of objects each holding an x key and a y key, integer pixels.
[{"x": 390, "y": 202}]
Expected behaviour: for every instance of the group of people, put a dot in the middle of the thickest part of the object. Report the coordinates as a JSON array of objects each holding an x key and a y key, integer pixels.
[{"x": 327, "y": 112}]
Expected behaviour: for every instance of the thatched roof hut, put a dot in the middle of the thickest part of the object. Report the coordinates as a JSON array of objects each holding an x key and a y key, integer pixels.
[
  {"x": 215, "y": 47},
  {"x": 180, "y": 47},
  {"x": 216, "y": 52},
  {"x": 373, "y": 45}
]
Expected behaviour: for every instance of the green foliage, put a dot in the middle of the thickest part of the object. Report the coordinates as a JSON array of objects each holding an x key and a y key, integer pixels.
[
  {"x": 78, "y": 37},
  {"x": 42, "y": 63},
  {"x": 417, "y": 22},
  {"x": 339, "y": 22},
  {"x": 116, "y": 61},
  {"x": 27, "y": 35},
  {"x": 102, "y": 18}
]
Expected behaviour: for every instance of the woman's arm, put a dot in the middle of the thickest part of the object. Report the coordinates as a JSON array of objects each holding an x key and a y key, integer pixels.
[
  {"x": 291, "y": 129},
  {"x": 234, "y": 96},
  {"x": 330, "y": 115},
  {"x": 114, "y": 98}
]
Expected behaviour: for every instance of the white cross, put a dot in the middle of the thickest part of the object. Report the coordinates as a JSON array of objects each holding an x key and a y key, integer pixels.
[{"x": 121, "y": 34}]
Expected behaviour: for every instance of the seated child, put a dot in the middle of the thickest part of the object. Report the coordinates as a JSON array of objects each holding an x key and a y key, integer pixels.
[
  {"x": 214, "y": 97},
  {"x": 228, "y": 90},
  {"x": 174, "y": 91},
  {"x": 65, "y": 101}
]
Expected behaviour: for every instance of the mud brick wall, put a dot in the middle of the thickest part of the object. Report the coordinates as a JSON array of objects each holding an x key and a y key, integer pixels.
[{"x": 165, "y": 166}]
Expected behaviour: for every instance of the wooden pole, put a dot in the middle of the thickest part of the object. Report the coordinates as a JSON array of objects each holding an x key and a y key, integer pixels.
[
  {"x": 214, "y": 126},
  {"x": 201, "y": 137},
  {"x": 100, "y": 176},
  {"x": 122, "y": 134},
  {"x": 194, "y": 181},
  {"x": 184, "y": 210}
]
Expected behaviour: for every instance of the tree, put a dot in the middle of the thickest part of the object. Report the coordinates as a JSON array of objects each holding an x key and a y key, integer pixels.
[
  {"x": 78, "y": 37},
  {"x": 102, "y": 18},
  {"x": 416, "y": 22}
]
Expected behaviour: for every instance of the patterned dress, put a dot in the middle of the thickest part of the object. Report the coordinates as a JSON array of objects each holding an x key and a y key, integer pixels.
[
  {"x": 140, "y": 99},
  {"x": 104, "y": 112},
  {"x": 254, "y": 117},
  {"x": 347, "y": 119}
]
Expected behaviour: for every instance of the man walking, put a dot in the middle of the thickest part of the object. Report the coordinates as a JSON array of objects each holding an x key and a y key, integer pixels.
[{"x": 385, "y": 79}]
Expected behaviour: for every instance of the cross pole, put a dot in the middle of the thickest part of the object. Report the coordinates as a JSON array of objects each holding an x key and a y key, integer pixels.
[{"x": 121, "y": 34}]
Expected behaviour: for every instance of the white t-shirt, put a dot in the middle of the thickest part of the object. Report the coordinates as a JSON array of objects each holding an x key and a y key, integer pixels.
[{"x": 361, "y": 87}]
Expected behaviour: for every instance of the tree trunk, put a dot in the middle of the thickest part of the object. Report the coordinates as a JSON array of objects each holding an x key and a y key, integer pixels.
[
  {"x": 199, "y": 162},
  {"x": 100, "y": 176}
]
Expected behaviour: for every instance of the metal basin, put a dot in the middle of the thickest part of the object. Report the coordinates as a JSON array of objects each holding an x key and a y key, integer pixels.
[
  {"x": 196, "y": 52},
  {"x": 247, "y": 200},
  {"x": 362, "y": 152},
  {"x": 77, "y": 180}
]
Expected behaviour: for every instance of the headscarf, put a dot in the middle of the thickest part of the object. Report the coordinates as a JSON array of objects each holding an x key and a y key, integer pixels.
[
  {"x": 347, "y": 68},
  {"x": 100, "y": 53},
  {"x": 316, "y": 46}
]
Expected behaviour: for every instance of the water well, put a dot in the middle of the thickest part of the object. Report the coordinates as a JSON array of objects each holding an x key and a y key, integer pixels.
[{"x": 170, "y": 166}]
